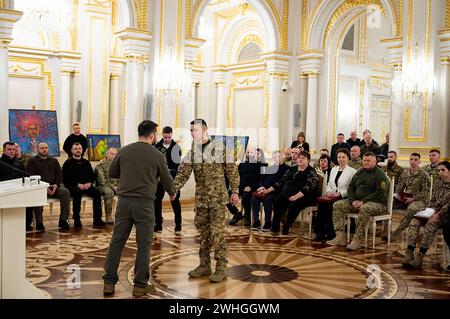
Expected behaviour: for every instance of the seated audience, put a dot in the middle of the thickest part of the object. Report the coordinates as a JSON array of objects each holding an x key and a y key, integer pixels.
[
  {"x": 79, "y": 177},
  {"x": 324, "y": 166},
  {"x": 366, "y": 195},
  {"x": 431, "y": 169},
  {"x": 298, "y": 190},
  {"x": 10, "y": 167},
  {"x": 355, "y": 161},
  {"x": 287, "y": 156},
  {"x": 107, "y": 185},
  {"x": 50, "y": 171},
  {"x": 75, "y": 137},
  {"x": 265, "y": 193},
  {"x": 339, "y": 180},
  {"x": 340, "y": 144},
  {"x": 384, "y": 148},
  {"x": 353, "y": 140},
  {"x": 364, "y": 134},
  {"x": 440, "y": 202},
  {"x": 369, "y": 145}
]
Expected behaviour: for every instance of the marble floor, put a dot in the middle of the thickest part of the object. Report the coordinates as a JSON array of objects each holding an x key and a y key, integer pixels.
[{"x": 260, "y": 265}]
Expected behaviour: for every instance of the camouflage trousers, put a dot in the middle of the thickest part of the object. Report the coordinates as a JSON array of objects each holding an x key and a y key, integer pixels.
[
  {"x": 412, "y": 208},
  {"x": 429, "y": 231},
  {"x": 108, "y": 197},
  {"x": 342, "y": 207},
  {"x": 211, "y": 223}
]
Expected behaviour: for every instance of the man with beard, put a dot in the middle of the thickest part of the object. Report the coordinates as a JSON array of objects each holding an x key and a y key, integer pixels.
[{"x": 392, "y": 168}]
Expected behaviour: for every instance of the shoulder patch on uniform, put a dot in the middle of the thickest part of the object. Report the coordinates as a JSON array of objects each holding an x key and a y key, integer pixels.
[{"x": 383, "y": 185}]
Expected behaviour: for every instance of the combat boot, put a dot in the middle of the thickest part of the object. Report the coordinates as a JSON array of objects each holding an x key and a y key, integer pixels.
[
  {"x": 355, "y": 244},
  {"x": 109, "y": 219},
  {"x": 409, "y": 256},
  {"x": 417, "y": 261},
  {"x": 219, "y": 275},
  {"x": 339, "y": 240},
  {"x": 237, "y": 217},
  {"x": 200, "y": 271}
]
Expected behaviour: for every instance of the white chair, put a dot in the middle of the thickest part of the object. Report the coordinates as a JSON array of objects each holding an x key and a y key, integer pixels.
[
  {"x": 84, "y": 199},
  {"x": 374, "y": 219}
]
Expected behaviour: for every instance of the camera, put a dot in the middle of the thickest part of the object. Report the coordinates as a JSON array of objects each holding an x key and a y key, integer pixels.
[{"x": 285, "y": 86}]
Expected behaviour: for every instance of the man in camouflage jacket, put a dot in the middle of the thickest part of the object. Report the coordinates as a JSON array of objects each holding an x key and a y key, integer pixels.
[
  {"x": 106, "y": 185},
  {"x": 210, "y": 163}
]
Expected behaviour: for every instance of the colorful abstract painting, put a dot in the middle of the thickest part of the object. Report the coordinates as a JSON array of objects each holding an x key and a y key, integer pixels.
[
  {"x": 30, "y": 127},
  {"x": 236, "y": 144},
  {"x": 98, "y": 144}
]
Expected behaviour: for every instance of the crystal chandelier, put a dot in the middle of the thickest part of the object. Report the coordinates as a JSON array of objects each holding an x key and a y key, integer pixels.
[{"x": 53, "y": 15}]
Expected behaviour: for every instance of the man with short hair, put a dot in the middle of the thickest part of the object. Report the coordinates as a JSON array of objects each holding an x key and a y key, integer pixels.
[
  {"x": 353, "y": 140},
  {"x": 355, "y": 161},
  {"x": 107, "y": 185},
  {"x": 75, "y": 137},
  {"x": 294, "y": 157},
  {"x": 172, "y": 152},
  {"x": 367, "y": 196},
  {"x": 369, "y": 145},
  {"x": 384, "y": 148},
  {"x": 79, "y": 178},
  {"x": 431, "y": 169},
  {"x": 412, "y": 192},
  {"x": 137, "y": 166},
  {"x": 392, "y": 168},
  {"x": 11, "y": 168},
  {"x": 21, "y": 157},
  {"x": 50, "y": 171},
  {"x": 340, "y": 144},
  {"x": 210, "y": 162}
]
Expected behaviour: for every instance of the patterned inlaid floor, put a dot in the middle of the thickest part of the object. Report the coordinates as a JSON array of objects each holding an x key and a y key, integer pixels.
[{"x": 260, "y": 266}]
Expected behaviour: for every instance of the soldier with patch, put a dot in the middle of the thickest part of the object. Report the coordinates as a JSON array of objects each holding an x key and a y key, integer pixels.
[
  {"x": 392, "y": 169},
  {"x": 412, "y": 192},
  {"x": 107, "y": 185},
  {"x": 355, "y": 161},
  {"x": 431, "y": 169},
  {"x": 440, "y": 202},
  {"x": 210, "y": 162},
  {"x": 366, "y": 195}
]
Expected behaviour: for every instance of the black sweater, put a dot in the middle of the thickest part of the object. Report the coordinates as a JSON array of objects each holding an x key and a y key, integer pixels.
[
  {"x": 72, "y": 138},
  {"x": 272, "y": 174},
  {"x": 249, "y": 175},
  {"x": 295, "y": 181},
  {"x": 47, "y": 168},
  {"x": 77, "y": 172},
  {"x": 173, "y": 155}
]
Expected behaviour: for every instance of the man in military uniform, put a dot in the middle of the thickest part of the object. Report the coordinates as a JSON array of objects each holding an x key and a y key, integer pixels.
[
  {"x": 431, "y": 169},
  {"x": 366, "y": 195},
  {"x": 355, "y": 161},
  {"x": 209, "y": 161},
  {"x": 412, "y": 192},
  {"x": 440, "y": 202},
  {"x": 107, "y": 185},
  {"x": 392, "y": 168}
]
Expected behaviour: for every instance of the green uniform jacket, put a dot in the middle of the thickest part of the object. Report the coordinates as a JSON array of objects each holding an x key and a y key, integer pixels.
[
  {"x": 417, "y": 184},
  {"x": 394, "y": 171},
  {"x": 210, "y": 168},
  {"x": 103, "y": 180},
  {"x": 369, "y": 186},
  {"x": 440, "y": 199}
]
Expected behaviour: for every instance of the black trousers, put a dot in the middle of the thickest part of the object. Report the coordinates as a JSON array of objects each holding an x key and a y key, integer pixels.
[
  {"x": 323, "y": 221},
  {"x": 247, "y": 204},
  {"x": 282, "y": 203},
  {"x": 93, "y": 192},
  {"x": 176, "y": 206}
]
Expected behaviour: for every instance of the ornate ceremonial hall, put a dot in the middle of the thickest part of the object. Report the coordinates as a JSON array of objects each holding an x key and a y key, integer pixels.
[{"x": 261, "y": 69}]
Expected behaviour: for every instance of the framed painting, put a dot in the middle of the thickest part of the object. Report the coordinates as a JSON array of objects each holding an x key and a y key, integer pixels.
[
  {"x": 236, "y": 144},
  {"x": 30, "y": 127},
  {"x": 98, "y": 144}
]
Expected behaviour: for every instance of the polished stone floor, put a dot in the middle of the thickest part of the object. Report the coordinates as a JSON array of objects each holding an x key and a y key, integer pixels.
[{"x": 260, "y": 265}]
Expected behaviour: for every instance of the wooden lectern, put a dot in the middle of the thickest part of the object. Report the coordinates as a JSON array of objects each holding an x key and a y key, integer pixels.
[{"x": 14, "y": 197}]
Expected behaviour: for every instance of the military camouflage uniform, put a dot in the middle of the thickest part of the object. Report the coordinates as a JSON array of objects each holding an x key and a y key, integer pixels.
[
  {"x": 440, "y": 201},
  {"x": 105, "y": 184},
  {"x": 432, "y": 171},
  {"x": 356, "y": 164},
  {"x": 211, "y": 196},
  {"x": 418, "y": 185},
  {"x": 394, "y": 171},
  {"x": 368, "y": 186}
]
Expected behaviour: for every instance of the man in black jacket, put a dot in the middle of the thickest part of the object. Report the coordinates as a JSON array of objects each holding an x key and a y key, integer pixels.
[
  {"x": 79, "y": 177},
  {"x": 75, "y": 137},
  {"x": 11, "y": 168},
  {"x": 172, "y": 151},
  {"x": 340, "y": 144}
]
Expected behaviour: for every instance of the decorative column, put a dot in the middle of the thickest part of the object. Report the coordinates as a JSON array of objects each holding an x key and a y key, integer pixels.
[
  {"x": 310, "y": 67},
  {"x": 219, "y": 74},
  {"x": 395, "y": 49},
  {"x": 116, "y": 66},
  {"x": 277, "y": 66},
  {"x": 444, "y": 37},
  {"x": 7, "y": 19},
  {"x": 136, "y": 47},
  {"x": 70, "y": 65}
]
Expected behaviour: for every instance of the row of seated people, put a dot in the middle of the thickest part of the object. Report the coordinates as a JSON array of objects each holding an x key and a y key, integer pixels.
[
  {"x": 280, "y": 187},
  {"x": 75, "y": 179}
]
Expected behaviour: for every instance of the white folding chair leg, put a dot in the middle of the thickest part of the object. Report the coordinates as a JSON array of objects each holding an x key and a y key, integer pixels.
[
  {"x": 348, "y": 229},
  {"x": 310, "y": 223},
  {"x": 389, "y": 231},
  {"x": 84, "y": 207},
  {"x": 374, "y": 231},
  {"x": 51, "y": 208}
]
